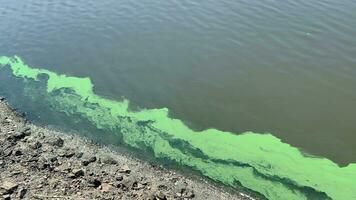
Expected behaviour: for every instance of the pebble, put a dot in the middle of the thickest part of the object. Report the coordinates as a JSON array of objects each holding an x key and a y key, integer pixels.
[
  {"x": 124, "y": 169},
  {"x": 56, "y": 141},
  {"x": 22, "y": 193},
  {"x": 9, "y": 187},
  {"x": 78, "y": 172}
]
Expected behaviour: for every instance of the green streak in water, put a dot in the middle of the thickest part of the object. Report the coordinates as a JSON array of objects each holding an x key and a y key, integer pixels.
[{"x": 259, "y": 162}]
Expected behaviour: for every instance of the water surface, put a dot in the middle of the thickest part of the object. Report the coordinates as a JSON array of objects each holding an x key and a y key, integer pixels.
[{"x": 284, "y": 67}]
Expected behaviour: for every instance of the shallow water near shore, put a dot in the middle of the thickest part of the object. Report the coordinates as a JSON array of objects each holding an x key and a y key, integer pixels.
[
  {"x": 258, "y": 162},
  {"x": 226, "y": 68}
]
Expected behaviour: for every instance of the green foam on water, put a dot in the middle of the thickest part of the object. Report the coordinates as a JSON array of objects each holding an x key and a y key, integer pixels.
[{"x": 259, "y": 162}]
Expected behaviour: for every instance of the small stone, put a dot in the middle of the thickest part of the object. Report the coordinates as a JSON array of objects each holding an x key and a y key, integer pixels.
[
  {"x": 6, "y": 197},
  {"x": 71, "y": 175},
  {"x": 53, "y": 159},
  {"x": 2, "y": 98},
  {"x": 93, "y": 182},
  {"x": 19, "y": 135},
  {"x": 22, "y": 193},
  {"x": 56, "y": 141},
  {"x": 67, "y": 153},
  {"x": 78, "y": 172},
  {"x": 187, "y": 193},
  {"x": 162, "y": 187},
  {"x": 9, "y": 187},
  {"x": 105, "y": 187},
  {"x": 18, "y": 153},
  {"x": 137, "y": 186},
  {"x": 7, "y": 152},
  {"x": 160, "y": 195},
  {"x": 92, "y": 159},
  {"x": 79, "y": 155},
  {"x": 108, "y": 160},
  {"x": 88, "y": 161},
  {"x": 119, "y": 178},
  {"x": 124, "y": 169},
  {"x": 26, "y": 131},
  {"x": 35, "y": 145}
]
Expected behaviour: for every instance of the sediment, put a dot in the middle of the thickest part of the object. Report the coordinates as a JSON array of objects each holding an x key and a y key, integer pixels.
[{"x": 40, "y": 163}]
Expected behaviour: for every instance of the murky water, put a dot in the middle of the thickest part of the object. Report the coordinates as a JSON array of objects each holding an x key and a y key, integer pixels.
[{"x": 284, "y": 67}]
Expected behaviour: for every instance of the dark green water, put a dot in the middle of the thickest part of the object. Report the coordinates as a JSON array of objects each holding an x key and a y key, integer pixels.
[{"x": 285, "y": 67}]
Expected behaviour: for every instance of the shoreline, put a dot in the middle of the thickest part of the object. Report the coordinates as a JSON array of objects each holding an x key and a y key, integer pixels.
[{"x": 40, "y": 163}]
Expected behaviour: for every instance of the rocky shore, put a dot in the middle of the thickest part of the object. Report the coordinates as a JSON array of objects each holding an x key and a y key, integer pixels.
[{"x": 39, "y": 163}]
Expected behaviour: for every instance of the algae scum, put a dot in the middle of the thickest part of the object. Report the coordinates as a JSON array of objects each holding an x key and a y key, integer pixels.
[{"x": 261, "y": 163}]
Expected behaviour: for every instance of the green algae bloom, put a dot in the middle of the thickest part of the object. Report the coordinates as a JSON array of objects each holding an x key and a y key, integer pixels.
[{"x": 261, "y": 163}]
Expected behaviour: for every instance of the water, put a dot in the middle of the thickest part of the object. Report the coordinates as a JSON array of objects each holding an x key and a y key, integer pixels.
[{"x": 284, "y": 67}]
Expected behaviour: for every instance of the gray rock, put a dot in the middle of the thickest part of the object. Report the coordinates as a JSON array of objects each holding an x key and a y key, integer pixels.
[
  {"x": 88, "y": 161},
  {"x": 26, "y": 130},
  {"x": 6, "y": 197},
  {"x": 93, "y": 182},
  {"x": 187, "y": 193},
  {"x": 22, "y": 193},
  {"x": 79, "y": 155},
  {"x": 119, "y": 178},
  {"x": 108, "y": 160},
  {"x": 125, "y": 169},
  {"x": 19, "y": 135},
  {"x": 160, "y": 195},
  {"x": 18, "y": 153},
  {"x": 35, "y": 145},
  {"x": 78, "y": 172},
  {"x": 56, "y": 141},
  {"x": 67, "y": 153},
  {"x": 9, "y": 187}
]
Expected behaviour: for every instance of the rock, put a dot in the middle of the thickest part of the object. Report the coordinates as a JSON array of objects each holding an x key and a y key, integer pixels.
[
  {"x": 108, "y": 160},
  {"x": 6, "y": 197},
  {"x": 187, "y": 193},
  {"x": 119, "y": 178},
  {"x": 127, "y": 183},
  {"x": 18, "y": 153},
  {"x": 162, "y": 187},
  {"x": 78, "y": 172},
  {"x": 19, "y": 135},
  {"x": 93, "y": 182},
  {"x": 26, "y": 131},
  {"x": 71, "y": 175},
  {"x": 160, "y": 195},
  {"x": 9, "y": 187},
  {"x": 105, "y": 187},
  {"x": 88, "y": 161},
  {"x": 124, "y": 169},
  {"x": 67, "y": 153},
  {"x": 7, "y": 152},
  {"x": 2, "y": 98},
  {"x": 35, "y": 145},
  {"x": 53, "y": 159},
  {"x": 22, "y": 193},
  {"x": 137, "y": 186},
  {"x": 79, "y": 155},
  {"x": 56, "y": 141},
  {"x": 43, "y": 164}
]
